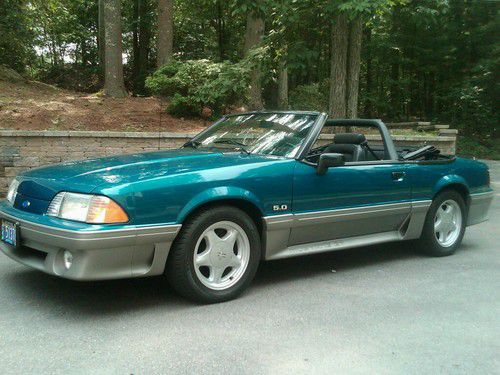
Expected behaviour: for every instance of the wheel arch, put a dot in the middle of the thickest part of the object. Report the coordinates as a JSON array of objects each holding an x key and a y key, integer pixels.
[
  {"x": 455, "y": 183},
  {"x": 236, "y": 197}
]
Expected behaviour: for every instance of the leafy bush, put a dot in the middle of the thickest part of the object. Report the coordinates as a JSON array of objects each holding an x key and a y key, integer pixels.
[
  {"x": 69, "y": 76},
  {"x": 194, "y": 84},
  {"x": 312, "y": 97},
  {"x": 182, "y": 106},
  {"x": 484, "y": 149},
  {"x": 471, "y": 111}
]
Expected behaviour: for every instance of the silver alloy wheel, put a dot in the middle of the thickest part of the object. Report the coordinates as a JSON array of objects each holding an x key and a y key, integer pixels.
[
  {"x": 448, "y": 223},
  {"x": 221, "y": 255}
]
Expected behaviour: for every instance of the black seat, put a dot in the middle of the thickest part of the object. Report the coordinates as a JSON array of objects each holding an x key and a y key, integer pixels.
[{"x": 348, "y": 144}]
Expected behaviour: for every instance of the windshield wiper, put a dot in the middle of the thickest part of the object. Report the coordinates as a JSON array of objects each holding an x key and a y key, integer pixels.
[
  {"x": 233, "y": 142},
  {"x": 191, "y": 143}
]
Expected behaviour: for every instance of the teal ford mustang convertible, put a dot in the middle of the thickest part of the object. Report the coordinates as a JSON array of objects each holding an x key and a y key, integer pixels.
[{"x": 253, "y": 186}]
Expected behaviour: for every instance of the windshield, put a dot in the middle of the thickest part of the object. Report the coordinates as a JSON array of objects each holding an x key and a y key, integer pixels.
[{"x": 279, "y": 134}]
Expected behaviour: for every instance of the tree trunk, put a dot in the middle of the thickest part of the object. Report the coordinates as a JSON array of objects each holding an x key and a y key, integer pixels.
[
  {"x": 135, "y": 39},
  {"x": 220, "y": 31},
  {"x": 253, "y": 35},
  {"x": 283, "y": 87},
  {"x": 83, "y": 49},
  {"x": 113, "y": 84},
  {"x": 165, "y": 40},
  {"x": 101, "y": 40},
  {"x": 353, "y": 66},
  {"x": 369, "y": 75},
  {"x": 144, "y": 38},
  {"x": 338, "y": 70}
]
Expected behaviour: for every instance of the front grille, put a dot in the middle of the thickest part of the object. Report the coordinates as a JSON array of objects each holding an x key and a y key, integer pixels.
[{"x": 32, "y": 205}]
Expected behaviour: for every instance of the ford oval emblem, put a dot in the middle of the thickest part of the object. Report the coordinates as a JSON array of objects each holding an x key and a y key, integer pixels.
[{"x": 26, "y": 204}]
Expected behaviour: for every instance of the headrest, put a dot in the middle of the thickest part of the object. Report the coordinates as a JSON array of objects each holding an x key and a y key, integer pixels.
[{"x": 349, "y": 138}]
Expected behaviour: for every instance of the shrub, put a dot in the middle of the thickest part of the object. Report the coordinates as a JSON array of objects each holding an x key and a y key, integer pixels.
[
  {"x": 182, "y": 106},
  {"x": 194, "y": 84},
  {"x": 70, "y": 77}
]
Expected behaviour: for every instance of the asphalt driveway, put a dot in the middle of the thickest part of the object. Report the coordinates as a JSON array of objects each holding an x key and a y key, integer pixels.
[{"x": 381, "y": 309}]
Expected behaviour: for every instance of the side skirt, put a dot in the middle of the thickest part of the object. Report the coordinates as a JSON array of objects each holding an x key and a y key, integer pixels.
[
  {"x": 333, "y": 245},
  {"x": 278, "y": 227}
]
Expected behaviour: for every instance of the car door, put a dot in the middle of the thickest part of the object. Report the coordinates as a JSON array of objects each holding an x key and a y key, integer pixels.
[{"x": 352, "y": 200}]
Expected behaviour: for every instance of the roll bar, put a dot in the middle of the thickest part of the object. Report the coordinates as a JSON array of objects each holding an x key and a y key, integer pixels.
[{"x": 390, "y": 150}]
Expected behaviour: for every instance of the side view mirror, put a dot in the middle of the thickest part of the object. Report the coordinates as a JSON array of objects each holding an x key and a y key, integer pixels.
[{"x": 329, "y": 160}]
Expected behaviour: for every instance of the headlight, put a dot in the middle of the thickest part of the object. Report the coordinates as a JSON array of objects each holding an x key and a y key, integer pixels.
[
  {"x": 12, "y": 192},
  {"x": 92, "y": 209}
]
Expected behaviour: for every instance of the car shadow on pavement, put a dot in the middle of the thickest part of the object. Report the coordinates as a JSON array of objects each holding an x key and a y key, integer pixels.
[
  {"x": 93, "y": 298},
  {"x": 105, "y": 298},
  {"x": 326, "y": 263}
]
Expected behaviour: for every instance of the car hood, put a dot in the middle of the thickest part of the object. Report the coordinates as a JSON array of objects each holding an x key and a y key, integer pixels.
[{"x": 86, "y": 175}]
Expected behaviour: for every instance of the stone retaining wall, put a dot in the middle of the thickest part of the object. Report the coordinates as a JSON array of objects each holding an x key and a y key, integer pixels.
[{"x": 22, "y": 150}]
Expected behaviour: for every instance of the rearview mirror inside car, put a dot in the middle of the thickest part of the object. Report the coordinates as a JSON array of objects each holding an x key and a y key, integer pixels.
[{"x": 329, "y": 160}]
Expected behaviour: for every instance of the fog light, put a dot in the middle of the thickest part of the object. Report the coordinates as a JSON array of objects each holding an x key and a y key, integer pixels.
[{"x": 68, "y": 259}]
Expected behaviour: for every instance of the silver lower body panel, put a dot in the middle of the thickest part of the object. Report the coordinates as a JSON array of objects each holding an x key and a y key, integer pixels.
[
  {"x": 478, "y": 207},
  {"x": 293, "y": 234},
  {"x": 97, "y": 255}
]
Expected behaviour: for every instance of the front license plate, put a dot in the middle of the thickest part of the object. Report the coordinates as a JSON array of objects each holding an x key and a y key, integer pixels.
[{"x": 9, "y": 232}]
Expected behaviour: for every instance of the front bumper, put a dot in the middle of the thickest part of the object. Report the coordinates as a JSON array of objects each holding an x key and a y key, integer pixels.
[{"x": 131, "y": 251}]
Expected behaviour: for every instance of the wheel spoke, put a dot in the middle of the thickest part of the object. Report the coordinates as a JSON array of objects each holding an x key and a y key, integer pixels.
[
  {"x": 438, "y": 225},
  {"x": 230, "y": 238},
  {"x": 213, "y": 240},
  {"x": 452, "y": 225},
  {"x": 216, "y": 273},
  {"x": 234, "y": 262},
  {"x": 448, "y": 213},
  {"x": 203, "y": 259}
]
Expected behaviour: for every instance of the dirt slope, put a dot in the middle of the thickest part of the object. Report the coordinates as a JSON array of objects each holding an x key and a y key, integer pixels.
[{"x": 28, "y": 105}]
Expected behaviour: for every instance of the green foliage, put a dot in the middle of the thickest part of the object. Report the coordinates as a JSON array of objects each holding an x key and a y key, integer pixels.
[
  {"x": 469, "y": 111},
  {"x": 433, "y": 60},
  {"x": 484, "y": 149},
  {"x": 312, "y": 97},
  {"x": 183, "y": 106},
  {"x": 66, "y": 30},
  {"x": 194, "y": 84},
  {"x": 70, "y": 76},
  {"x": 16, "y": 37},
  {"x": 367, "y": 6}
]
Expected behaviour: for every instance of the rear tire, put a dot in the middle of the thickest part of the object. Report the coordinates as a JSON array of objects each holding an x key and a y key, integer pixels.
[
  {"x": 215, "y": 256},
  {"x": 444, "y": 225}
]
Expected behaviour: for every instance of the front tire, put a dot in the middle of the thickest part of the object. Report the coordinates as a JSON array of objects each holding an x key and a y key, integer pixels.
[
  {"x": 215, "y": 256},
  {"x": 444, "y": 225}
]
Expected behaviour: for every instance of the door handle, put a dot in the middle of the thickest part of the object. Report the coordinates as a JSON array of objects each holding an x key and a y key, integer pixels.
[{"x": 398, "y": 176}]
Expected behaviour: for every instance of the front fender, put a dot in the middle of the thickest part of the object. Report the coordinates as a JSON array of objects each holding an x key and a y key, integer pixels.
[
  {"x": 448, "y": 180},
  {"x": 217, "y": 194}
]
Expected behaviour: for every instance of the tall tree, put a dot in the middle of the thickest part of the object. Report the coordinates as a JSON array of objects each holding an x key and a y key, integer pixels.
[
  {"x": 114, "y": 85},
  {"x": 15, "y": 37},
  {"x": 338, "y": 70},
  {"x": 101, "y": 39},
  {"x": 353, "y": 66},
  {"x": 141, "y": 37},
  {"x": 165, "y": 38},
  {"x": 283, "y": 86},
  {"x": 253, "y": 36}
]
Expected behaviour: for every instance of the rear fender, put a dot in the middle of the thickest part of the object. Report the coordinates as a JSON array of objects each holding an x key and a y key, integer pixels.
[{"x": 449, "y": 181}]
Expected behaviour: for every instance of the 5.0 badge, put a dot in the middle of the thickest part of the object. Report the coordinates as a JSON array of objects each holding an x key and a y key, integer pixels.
[{"x": 280, "y": 207}]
